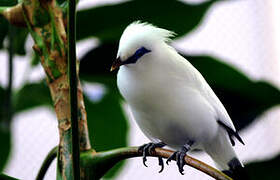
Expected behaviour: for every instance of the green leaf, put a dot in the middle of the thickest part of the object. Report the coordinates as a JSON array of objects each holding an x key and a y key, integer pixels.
[
  {"x": 110, "y": 20},
  {"x": 2, "y": 103},
  {"x": 8, "y": 2},
  {"x": 107, "y": 124},
  {"x": 5, "y": 139},
  {"x": 5, "y": 177},
  {"x": 4, "y": 28},
  {"x": 20, "y": 40},
  {"x": 5, "y": 135},
  {"x": 32, "y": 95},
  {"x": 243, "y": 98},
  {"x": 268, "y": 170},
  {"x": 98, "y": 61}
]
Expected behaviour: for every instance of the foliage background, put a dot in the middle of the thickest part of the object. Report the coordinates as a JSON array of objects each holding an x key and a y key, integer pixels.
[{"x": 239, "y": 33}]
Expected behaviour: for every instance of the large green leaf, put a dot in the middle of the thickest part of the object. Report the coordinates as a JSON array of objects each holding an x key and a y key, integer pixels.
[
  {"x": 5, "y": 134},
  {"x": 32, "y": 95},
  {"x": 107, "y": 124},
  {"x": 268, "y": 170},
  {"x": 107, "y": 22},
  {"x": 243, "y": 98}
]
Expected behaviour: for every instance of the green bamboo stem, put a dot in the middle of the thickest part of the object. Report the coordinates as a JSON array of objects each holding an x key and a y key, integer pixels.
[{"x": 72, "y": 75}]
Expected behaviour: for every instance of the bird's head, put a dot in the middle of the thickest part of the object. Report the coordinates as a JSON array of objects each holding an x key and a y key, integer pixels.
[{"x": 137, "y": 40}]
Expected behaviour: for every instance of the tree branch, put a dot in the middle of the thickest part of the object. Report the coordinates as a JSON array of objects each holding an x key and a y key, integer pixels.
[
  {"x": 100, "y": 162},
  {"x": 46, "y": 164},
  {"x": 14, "y": 15}
]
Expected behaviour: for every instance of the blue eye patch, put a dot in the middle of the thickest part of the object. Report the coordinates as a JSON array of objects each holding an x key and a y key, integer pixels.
[{"x": 139, "y": 53}]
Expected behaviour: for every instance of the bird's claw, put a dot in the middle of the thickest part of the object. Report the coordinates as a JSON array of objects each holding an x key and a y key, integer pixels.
[
  {"x": 179, "y": 156},
  {"x": 181, "y": 161},
  {"x": 161, "y": 164},
  {"x": 145, "y": 150},
  {"x": 171, "y": 157},
  {"x": 148, "y": 149}
]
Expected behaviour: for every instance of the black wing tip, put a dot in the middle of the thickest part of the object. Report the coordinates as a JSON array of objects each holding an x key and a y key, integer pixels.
[
  {"x": 231, "y": 140},
  {"x": 239, "y": 138},
  {"x": 231, "y": 133}
]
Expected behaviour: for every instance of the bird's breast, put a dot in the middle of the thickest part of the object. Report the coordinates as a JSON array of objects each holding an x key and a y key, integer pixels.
[
  {"x": 166, "y": 106},
  {"x": 142, "y": 87}
]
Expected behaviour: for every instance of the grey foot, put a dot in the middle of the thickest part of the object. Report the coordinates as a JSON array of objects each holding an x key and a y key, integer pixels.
[
  {"x": 148, "y": 149},
  {"x": 179, "y": 156}
]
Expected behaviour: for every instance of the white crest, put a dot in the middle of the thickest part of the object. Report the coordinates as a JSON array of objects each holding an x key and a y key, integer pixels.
[
  {"x": 149, "y": 30},
  {"x": 139, "y": 34}
]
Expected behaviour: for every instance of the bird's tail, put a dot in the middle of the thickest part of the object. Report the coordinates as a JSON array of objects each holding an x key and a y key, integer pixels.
[
  {"x": 222, "y": 152},
  {"x": 236, "y": 170}
]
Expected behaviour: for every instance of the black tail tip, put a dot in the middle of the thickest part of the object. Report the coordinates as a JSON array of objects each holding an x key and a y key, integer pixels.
[{"x": 236, "y": 171}]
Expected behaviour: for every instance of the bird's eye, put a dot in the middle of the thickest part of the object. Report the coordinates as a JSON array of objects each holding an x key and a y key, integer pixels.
[{"x": 138, "y": 53}]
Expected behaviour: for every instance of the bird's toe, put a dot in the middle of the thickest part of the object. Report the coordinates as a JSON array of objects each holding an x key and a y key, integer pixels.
[
  {"x": 173, "y": 156},
  {"x": 145, "y": 152},
  {"x": 179, "y": 156},
  {"x": 148, "y": 149},
  {"x": 161, "y": 164},
  {"x": 181, "y": 162}
]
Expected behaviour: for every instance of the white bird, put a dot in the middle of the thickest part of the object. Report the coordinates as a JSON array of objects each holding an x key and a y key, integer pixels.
[{"x": 170, "y": 100}]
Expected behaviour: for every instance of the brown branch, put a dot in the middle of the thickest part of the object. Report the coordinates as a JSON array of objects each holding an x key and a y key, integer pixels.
[
  {"x": 101, "y": 162},
  {"x": 199, "y": 165},
  {"x": 14, "y": 15}
]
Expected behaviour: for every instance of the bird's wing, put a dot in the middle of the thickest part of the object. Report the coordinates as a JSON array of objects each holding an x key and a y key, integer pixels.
[
  {"x": 224, "y": 119},
  {"x": 218, "y": 106},
  {"x": 198, "y": 81},
  {"x": 195, "y": 79}
]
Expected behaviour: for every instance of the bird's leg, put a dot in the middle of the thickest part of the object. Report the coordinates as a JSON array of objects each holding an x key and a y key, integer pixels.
[
  {"x": 147, "y": 149},
  {"x": 179, "y": 156}
]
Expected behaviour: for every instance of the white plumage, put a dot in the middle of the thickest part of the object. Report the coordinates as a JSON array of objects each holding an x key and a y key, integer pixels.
[{"x": 169, "y": 99}]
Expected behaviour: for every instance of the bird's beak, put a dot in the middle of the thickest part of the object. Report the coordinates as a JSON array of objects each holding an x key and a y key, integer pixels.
[{"x": 116, "y": 64}]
